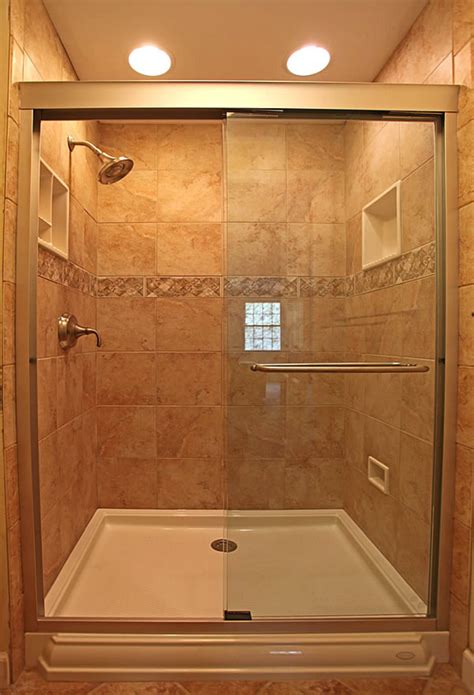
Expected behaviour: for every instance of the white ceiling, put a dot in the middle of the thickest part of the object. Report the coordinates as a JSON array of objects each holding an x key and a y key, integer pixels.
[{"x": 232, "y": 39}]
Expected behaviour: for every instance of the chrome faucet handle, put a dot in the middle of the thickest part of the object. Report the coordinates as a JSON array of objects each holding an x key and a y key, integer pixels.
[{"x": 69, "y": 331}]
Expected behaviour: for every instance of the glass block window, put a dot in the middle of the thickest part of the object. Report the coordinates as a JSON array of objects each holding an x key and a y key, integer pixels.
[{"x": 262, "y": 326}]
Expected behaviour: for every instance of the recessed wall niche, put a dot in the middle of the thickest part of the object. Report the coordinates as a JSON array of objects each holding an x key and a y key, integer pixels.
[
  {"x": 381, "y": 227},
  {"x": 53, "y": 212}
]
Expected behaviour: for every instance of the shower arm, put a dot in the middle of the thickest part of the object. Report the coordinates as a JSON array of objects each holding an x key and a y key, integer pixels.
[{"x": 85, "y": 143}]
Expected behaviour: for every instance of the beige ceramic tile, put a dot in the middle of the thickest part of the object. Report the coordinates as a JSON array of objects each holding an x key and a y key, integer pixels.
[
  {"x": 256, "y": 196},
  {"x": 188, "y": 324},
  {"x": 416, "y": 466},
  {"x": 41, "y": 41},
  {"x": 416, "y": 145},
  {"x": 417, "y": 415},
  {"x": 126, "y": 249},
  {"x": 255, "y": 484},
  {"x": 9, "y": 314},
  {"x": 463, "y": 75},
  {"x": 51, "y": 545},
  {"x": 315, "y": 146},
  {"x": 458, "y": 641},
  {"x": 12, "y": 503},
  {"x": 255, "y": 432},
  {"x": 189, "y": 431},
  {"x": 133, "y": 199},
  {"x": 316, "y": 195},
  {"x": 11, "y": 178},
  {"x": 137, "y": 141},
  {"x": 383, "y": 396},
  {"x": 383, "y": 443},
  {"x": 466, "y": 245},
  {"x": 9, "y": 406},
  {"x": 126, "y": 378},
  {"x": 315, "y": 389},
  {"x": 190, "y": 483},
  {"x": 69, "y": 386},
  {"x": 354, "y": 425},
  {"x": 126, "y": 324},
  {"x": 463, "y": 485},
  {"x": 443, "y": 73},
  {"x": 256, "y": 248},
  {"x": 461, "y": 565},
  {"x": 412, "y": 544},
  {"x": 353, "y": 229},
  {"x": 50, "y": 305},
  {"x": 419, "y": 310},
  {"x": 127, "y": 483},
  {"x": 55, "y": 152},
  {"x": 126, "y": 432},
  {"x": 314, "y": 432},
  {"x": 255, "y": 146},
  {"x": 189, "y": 147},
  {"x": 316, "y": 249},
  {"x": 47, "y": 401},
  {"x": 418, "y": 208},
  {"x": 465, "y": 431},
  {"x": 189, "y": 249},
  {"x": 82, "y": 237},
  {"x": 188, "y": 378},
  {"x": 16, "y": 75},
  {"x": 466, "y": 164},
  {"x": 466, "y": 326},
  {"x": 84, "y": 167},
  {"x": 245, "y": 387},
  {"x": 9, "y": 244},
  {"x": 189, "y": 196},
  {"x": 314, "y": 484},
  {"x": 49, "y": 473}
]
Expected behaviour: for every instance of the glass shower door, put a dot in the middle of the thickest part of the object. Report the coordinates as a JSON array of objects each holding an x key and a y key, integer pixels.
[{"x": 330, "y": 301}]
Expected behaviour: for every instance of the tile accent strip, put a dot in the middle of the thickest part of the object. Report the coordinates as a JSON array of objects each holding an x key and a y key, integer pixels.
[
  {"x": 57, "y": 269},
  {"x": 261, "y": 287},
  {"x": 323, "y": 287},
  {"x": 183, "y": 287},
  {"x": 120, "y": 287}
]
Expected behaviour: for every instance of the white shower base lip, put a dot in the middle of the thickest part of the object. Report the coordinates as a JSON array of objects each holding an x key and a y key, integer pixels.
[{"x": 152, "y": 564}]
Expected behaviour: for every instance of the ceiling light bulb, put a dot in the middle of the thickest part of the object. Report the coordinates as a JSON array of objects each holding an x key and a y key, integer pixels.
[
  {"x": 308, "y": 60},
  {"x": 149, "y": 60}
]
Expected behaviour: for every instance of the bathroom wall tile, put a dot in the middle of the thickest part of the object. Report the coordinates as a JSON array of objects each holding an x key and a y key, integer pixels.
[
  {"x": 315, "y": 146},
  {"x": 189, "y": 147},
  {"x": 256, "y": 249},
  {"x": 316, "y": 249},
  {"x": 245, "y": 387},
  {"x": 466, "y": 245},
  {"x": 89, "y": 379},
  {"x": 314, "y": 484},
  {"x": 55, "y": 152},
  {"x": 466, "y": 164},
  {"x": 412, "y": 544},
  {"x": 9, "y": 406},
  {"x": 189, "y": 249},
  {"x": 49, "y": 473},
  {"x": 315, "y": 432},
  {"x": 419, "y": 308},
  {"x": 189, "y": 196},
  {"x": 41, "y": 41},
  {"x": 383, "y": 443},
  {"x": 443, "y": 73},
  {"x": 12, "y": 502},
  {"x": 68, "y": 390},
  {"x": 16, "y": 75},
  {"x": 462, "y": 23},
  {"x": 137, "y": 141},
  {"x": 51, "y": 545},
  {"x": 127, "y": 483},
  {"x": 84, "y": 167},
  {"x": 183, "y": 287},
  {"x": 11, "y": 177},
  {"x": 316, "y": 195},
  {"x": 255, "y": 484},
  {"x": 126, "y": 378},
  {"x": 255, "y": 432},
  {"x": 126, "y": 249},
  {"x": 353, "y": 229},
  {"x": 458, "y": 640},
  {"x": 70, "y": 439},
  {"x": 188, "y": 324},
  {"x": 47, "y": 402},
  {"x": 418, "y": 207},
  {"x": 9, "y": 314},
  {"x": 188, "y": 378},
  {"x": 189, "y": 432},
  {"x": 126, "y": 432},
  {"x": 465, "y": 427},
  {"x": 416, "y": 145},
  {"x": 354, "y": 426},
  {"x": 133, "y": 199},
  {"x": 383, "y": 395},
  {"x": 464, "y": 485},
  {"x": 315, "y": 389},
  {"x": 256, "y": 196},
  {"x": 77, "y": 225},
  {"x": 461, "y": 565},
  {"x": 417, "y": 409},
  {"x": 120, "y": 287},
  {"x": 463, "y": 75},
  {"x": 416, "y": 466},
  {"x": 126, "y": 324},
  {"x": 314, "y": 324},
  {"x": 190, "y": 483},
  {"x": 255, "y": 146},
  {"x": 466, "y": 326},
  {"x": 9, "y": 242},
  {"x": 260, "y": 287}
]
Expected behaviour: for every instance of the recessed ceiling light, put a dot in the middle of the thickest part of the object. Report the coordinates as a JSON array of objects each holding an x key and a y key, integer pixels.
[
  {"x": 149, "y": 60},
  {"x": 308, "y": 60}
]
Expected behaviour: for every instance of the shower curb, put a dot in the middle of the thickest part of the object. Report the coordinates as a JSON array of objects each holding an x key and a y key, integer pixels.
[{"x": 107, "y": 657}]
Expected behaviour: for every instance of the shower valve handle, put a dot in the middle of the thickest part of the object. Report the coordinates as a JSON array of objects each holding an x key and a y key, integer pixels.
[{"x": 69, "y": 331}]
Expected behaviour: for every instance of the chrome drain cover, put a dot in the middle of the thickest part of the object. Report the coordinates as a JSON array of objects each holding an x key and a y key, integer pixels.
[{"x": 223, "y": 545}]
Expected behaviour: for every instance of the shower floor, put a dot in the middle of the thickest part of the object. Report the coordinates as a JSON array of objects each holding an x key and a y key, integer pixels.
[{"x": 159, "y": 564}]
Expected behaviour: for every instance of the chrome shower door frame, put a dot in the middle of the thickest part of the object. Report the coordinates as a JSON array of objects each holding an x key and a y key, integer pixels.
[{"x": 204, "y": 100}]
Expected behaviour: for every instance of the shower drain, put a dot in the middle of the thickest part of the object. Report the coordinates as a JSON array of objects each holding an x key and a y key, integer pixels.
[{"x": 223, "y": 545}]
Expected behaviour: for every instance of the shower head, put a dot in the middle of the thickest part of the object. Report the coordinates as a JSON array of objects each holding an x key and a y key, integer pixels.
[{"x": 113, "y": 169}]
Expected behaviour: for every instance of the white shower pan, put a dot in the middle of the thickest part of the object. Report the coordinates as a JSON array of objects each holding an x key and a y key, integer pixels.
[{"x": 159, "y": 564}]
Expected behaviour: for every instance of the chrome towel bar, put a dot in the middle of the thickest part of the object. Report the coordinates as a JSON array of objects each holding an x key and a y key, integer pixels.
[{"x": 338, "y": 367}]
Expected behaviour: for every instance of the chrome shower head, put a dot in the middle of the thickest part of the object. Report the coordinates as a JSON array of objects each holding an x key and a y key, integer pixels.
[{"x": 114, "y": 168}]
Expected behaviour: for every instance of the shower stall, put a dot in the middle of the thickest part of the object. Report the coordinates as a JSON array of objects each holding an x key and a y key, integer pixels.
[{"x": 248, "y": 466}]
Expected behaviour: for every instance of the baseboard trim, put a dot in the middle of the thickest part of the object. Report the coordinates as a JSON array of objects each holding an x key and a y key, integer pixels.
[
  {"x": 468, "y": 669},
  {"x": 99, "y": 657},
  {"x": 4, "y": 670}
]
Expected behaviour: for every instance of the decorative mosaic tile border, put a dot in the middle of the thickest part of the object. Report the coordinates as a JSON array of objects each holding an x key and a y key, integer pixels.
[
  {"x": 323, "y": 287},
  {"x": 57, "y": 269},
  {"x": 261, "y": 287},
  {"x": 183, "y": 287},
  {"x": 120, "y": 287}
]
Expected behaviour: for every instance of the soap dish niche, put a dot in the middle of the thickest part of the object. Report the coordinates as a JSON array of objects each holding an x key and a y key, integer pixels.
[
  {"x": 381, "y": 228},
  {"x": 379, "y": 475}
]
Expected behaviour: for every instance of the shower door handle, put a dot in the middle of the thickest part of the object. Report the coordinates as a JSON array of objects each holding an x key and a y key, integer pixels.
[{"x": 340, "y": 367}]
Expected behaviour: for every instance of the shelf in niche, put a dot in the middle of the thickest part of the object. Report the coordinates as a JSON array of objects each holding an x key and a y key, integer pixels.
[
  {"x": 53, "y": 212},
  {"x": 381, "y": 228}
]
